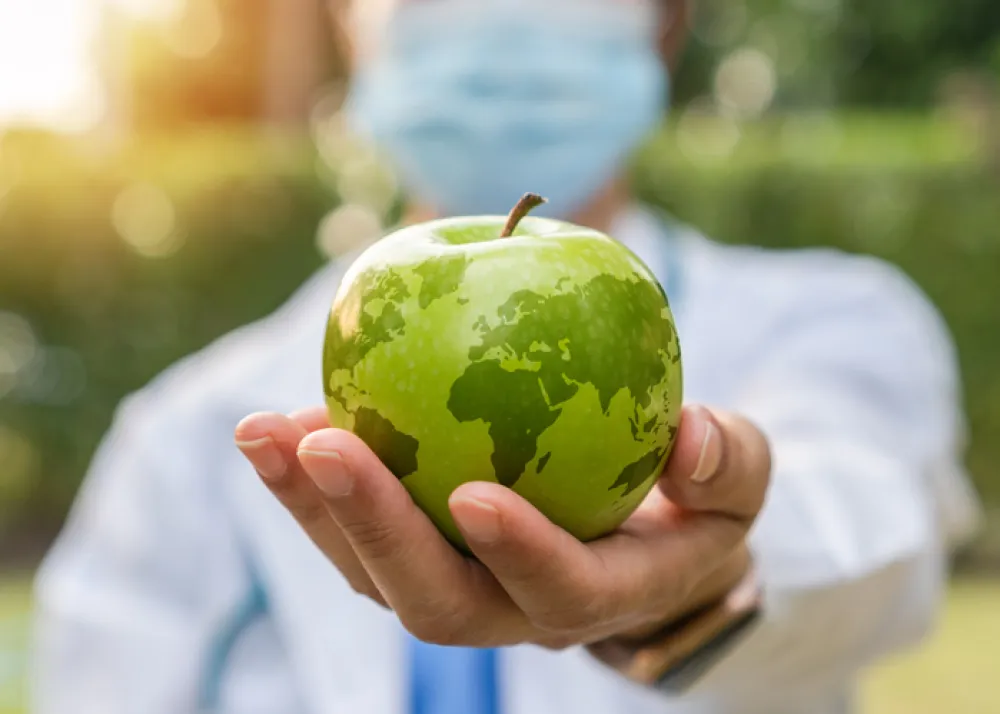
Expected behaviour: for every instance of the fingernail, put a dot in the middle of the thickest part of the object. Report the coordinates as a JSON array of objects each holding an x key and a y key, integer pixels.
[
  {"x": 710, "y": 454},
  {"x": 334, "y": 479},
  {"x": 479, "y": 521},
  {"x": 263, "y": 453}
]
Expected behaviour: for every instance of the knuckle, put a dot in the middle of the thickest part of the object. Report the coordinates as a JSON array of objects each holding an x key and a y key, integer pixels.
[
  {"x": 366, "y": 588},
  {"x": 557, "y": 643},
  {"x": 378, "y": 540},
  {"x": 445, "y": 626},
  {"x": 308, "y": 514},
  {"x": 286, "y": 489},
  {"x": 585, "y": 614}
]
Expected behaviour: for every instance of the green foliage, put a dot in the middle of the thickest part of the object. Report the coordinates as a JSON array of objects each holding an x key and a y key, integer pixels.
[
  {"x": 106, "y": 318},
  {"x": 889, "y": 53},
  {"x": 107, "y": 315}
]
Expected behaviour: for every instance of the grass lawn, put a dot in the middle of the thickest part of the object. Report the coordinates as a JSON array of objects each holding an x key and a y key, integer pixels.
[
  {"x": 958, "y": 671},
  {"x": 14, "y": 604}
]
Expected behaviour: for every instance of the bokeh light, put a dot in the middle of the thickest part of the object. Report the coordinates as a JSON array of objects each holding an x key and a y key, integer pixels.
[
  {"x": 366, "y": 181},
  {"x": 336, "y": 143},
  {"x": 347, "y": 228},
  {"x": 145, "y": 219},
  {"x": 195, "y": 30},
  {"x": 348, "y": 162},
  {"x": 18, "y": 348},
  {"x": 745, "y": 83},
  {"x": 56, "y": 377},
  {"x": 704, "y": 135}
]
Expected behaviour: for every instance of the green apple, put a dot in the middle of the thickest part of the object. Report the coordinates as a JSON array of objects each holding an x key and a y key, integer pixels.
[{"x": 526, "y": 351}]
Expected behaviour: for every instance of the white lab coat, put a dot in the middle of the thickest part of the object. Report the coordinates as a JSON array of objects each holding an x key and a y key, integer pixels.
[{"x": 180, "y": 585}]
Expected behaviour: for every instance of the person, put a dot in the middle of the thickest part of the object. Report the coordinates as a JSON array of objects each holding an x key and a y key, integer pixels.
[{"x": 800, "y": 531}]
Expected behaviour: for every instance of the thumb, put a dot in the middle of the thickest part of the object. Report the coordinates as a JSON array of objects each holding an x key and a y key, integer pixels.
[{"x": 721, "y": 464}]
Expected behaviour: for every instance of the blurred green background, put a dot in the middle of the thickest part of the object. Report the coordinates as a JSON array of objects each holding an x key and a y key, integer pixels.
[{"x": 198, "y": 171}]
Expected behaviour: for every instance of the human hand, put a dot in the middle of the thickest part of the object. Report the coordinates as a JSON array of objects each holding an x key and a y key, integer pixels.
[{"x": 533, "y": 582}]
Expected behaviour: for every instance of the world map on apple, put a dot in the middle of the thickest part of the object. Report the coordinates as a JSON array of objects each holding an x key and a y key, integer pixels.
[{"x": 525, "y": 361}]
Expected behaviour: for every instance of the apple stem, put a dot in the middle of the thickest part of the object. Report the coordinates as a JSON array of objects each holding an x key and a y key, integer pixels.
[{"x": 528, "y": 202}]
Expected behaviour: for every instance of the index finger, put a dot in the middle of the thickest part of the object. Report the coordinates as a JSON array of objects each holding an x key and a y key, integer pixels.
[
  {"x": 438, "y": 594},
  {"x": 269, "y": 441}
]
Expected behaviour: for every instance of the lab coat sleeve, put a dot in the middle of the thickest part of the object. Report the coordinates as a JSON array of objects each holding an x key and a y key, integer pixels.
[
  {"x": 857, "y": 393},
  {"x": 144, "y": 576}
]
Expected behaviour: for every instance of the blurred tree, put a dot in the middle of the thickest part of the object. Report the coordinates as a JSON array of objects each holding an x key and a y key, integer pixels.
[
  {"x": 846, "y": 52},
  {"x": 229, "y": 60},
  {"x": 914, "y": 46},
  {"x": 206, "y": 66}
]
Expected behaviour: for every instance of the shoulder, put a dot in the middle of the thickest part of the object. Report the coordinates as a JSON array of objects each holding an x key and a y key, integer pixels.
[
  {"x": 814, "y": 287},
  {"x": 840, "y": 328},
  {"x": 813, "y": 312},
  {"x": 821, "y": 273}
]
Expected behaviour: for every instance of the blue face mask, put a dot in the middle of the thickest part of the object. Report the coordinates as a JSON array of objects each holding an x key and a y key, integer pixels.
[{"x": 477, "y": 103}]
